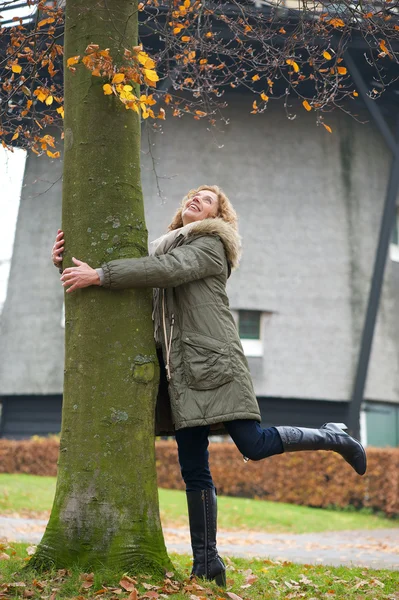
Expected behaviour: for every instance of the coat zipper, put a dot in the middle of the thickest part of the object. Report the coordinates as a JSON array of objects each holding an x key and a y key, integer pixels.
[{"x": 168, "y": 343}]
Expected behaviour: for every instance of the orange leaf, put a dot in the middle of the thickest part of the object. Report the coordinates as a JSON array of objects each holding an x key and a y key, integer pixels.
[
  {"x": 45, "y": 21},
  {"x": 264, "y": 97},
  {"x": 293, "y": 64},
  {"x": 72, "y": 61},
  {"x": 384, "y": 48},
  {"x": 118, "y": 78},
  {"x": 255, "y": 77},
  {"x": 200, "y": 113},
  {"x": 327, "y": 55},
  {"x": 53, "y": 154},
  {"x": 209, "y": 34},
  {"x": 282, "y": 30},
  {"x": 178, "y": 29},
  {"x": 185, "y": 38},
  {"x": 336, "y": 22},
  {"x": 355, "y": 94},
  {"x": 327, "y": 127},
  {"x": 342, "y": 70},
  {"x": 306, "y": 105}
]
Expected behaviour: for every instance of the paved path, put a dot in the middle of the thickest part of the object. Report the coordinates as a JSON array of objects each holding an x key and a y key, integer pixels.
[{"x": 377, "y": 548}]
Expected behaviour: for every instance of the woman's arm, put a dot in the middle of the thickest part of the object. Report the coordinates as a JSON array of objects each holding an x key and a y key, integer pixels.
[{"x": 201, "y": 258}]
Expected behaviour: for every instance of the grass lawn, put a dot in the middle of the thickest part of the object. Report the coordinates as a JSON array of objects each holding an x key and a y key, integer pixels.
[
  {"x": 246, "y": 579},
  {"x": 30, "y": 495}
]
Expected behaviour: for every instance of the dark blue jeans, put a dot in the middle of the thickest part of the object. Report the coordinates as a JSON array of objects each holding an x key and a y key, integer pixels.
[{"x": 251, "y": 439}]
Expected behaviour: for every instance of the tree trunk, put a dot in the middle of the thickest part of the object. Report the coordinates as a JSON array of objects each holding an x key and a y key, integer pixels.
[{"x": 105, "y": 510}]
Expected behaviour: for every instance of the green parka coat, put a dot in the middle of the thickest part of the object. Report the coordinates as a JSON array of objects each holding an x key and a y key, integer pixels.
[{"x": 209, "y": 379}]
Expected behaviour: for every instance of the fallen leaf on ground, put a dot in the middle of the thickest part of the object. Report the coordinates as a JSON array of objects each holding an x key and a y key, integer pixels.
[
  {"x": 128, "y": 584},
  {"x": 233, "y": 596}
]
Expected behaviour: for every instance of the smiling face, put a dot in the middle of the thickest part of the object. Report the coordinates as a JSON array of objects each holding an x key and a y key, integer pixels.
[{"x": 202, "y": 205}]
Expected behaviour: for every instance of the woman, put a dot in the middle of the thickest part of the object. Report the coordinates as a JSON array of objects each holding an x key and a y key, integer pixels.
[{"x": 208, "y": 380}]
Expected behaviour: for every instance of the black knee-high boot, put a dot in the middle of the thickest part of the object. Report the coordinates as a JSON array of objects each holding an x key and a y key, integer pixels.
[
  {"x": 330, "y": 436},
  {"x": 202, "y": 513}
]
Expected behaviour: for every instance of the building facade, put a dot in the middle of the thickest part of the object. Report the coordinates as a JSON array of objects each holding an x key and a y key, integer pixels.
[{"x": 309, "y": 204}]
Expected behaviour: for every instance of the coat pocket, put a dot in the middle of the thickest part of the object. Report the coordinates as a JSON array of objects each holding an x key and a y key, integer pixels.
[{"x": 207, "y": 362}]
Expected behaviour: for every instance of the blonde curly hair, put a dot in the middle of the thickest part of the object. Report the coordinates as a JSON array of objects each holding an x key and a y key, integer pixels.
[{"x": 225, "y": 208}]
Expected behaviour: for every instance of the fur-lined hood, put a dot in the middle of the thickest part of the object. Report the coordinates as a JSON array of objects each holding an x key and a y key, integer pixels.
[{"x": 230, "y": 237}]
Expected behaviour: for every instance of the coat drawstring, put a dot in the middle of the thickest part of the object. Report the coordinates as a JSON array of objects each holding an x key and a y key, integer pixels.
[{"x": 168, "y": 343}]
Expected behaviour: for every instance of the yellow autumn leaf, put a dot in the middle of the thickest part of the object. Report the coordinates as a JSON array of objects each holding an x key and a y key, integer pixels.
[
  {"x": 142, "y": 57},
  {"x": 161, "y": 114},
  {"x": 118, "y": 78},
  {"x": 254, "y": 105},
  {"x": 306, "y": 105},
  {"x": 107, "y": 89},
  {"x": 209, "y": 34},
  {"x": 151, "y": 75},
  {"x": 177, "y": 29},
  {"x": 40, "y": 94},
  {"x": 60, "y": 111},
  {"x": 16, "y": 68},
  {"x": 203, "y": 61},
  {"x": 53, "y": 154},
  {"x": 73, "y": 60},
  {"x": 336, "y": 22},
  {"x": 327, "y": 127},
  {"x": 293, "y": 64},
  {"x": 342, "y": 70},
  {"x": 327, "y": 55},
  {"x": 15, "y": 136},
  {"x": 264, "y": 97},
  {"x": 355, "y": 94},
  {"x": 187, "y": 3},
  {"x": 255, "y": 77},
  {"x": 29, "y": 104},
  {"x": 49, "y": 100},
  {"x": 45, "y": 21}
]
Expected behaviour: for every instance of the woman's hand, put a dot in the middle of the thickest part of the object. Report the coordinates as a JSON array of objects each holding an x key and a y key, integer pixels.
[
  {"x": 80, "y": 276},
  {"x": 56, "y": 254}
]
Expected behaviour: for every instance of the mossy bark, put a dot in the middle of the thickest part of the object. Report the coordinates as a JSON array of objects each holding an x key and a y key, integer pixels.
[{"x": 105, "y": 511}]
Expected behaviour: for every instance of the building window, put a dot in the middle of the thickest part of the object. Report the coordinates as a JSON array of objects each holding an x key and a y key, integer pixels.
[
  {"x": 394, "y": 247},
  {"x": 249, "y": 329},
  {"x": 249, "y": 324}
]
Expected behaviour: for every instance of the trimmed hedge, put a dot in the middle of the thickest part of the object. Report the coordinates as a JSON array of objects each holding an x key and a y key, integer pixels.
[{"x": 317, "y": 479}]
